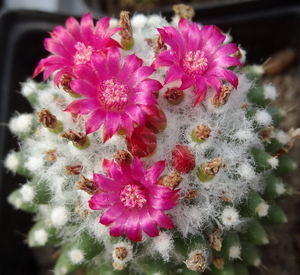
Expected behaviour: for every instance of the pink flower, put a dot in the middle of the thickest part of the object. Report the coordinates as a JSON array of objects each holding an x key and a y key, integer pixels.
[
  {"x": 75, "y": 45},
  {"x": 197, "y": 57},
  {"x": 117, "y": 94},
  {"x": 132, "y": 200}
]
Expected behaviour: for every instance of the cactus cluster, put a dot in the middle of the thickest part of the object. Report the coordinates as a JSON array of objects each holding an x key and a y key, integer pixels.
[{"x": 155, "y": 152}]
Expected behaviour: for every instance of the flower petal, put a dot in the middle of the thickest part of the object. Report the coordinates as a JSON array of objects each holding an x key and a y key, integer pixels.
[
  {"x": 161, "y": 204},
  {"x": 138, "y": 168},
  {"x": 111, "y": 125},
  {"x": 87, "y": 27},
  {"x": 82, "y": 106},
  {"x": 112, "y": 214},
  {"x": 118, "y": 227},
  {"x": 95, "y": 121},
  {"x": 154, "y": 172},
  {"x": 161, "y": 219},
  {"x": 73, "y": 27},
  {"x": 104, "y": 183},
  {"x": 133, "y": 229},
  {"x": 147, "y": 224},
  {"x": 84, "y": 88},
  {"x": 175, "y": 72},
  {"x": 136, "y": 114},
  {"x": 225, "y": 74},
  {"x": 130, "y": 64},
  {"x": 201, "y": 88},
  {"x": 102, "y": 200}
]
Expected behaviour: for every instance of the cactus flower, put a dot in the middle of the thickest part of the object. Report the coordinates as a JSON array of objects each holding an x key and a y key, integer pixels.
[
  {"x": 75, "y": 44},
  {"x": 116, "y": 94},
  {"x": 197, "y": 57},
  {"x": 132, "y": 200}
]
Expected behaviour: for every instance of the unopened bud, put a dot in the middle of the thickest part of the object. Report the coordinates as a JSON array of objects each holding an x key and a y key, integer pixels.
[
  {"x": 172, "y": 180},
  {"x": 127, "y": 40},
  {"x": 174, "y": 96},
  {"x": 209, "y": 169},
  {"x": 201, "y": 133},
  {"x": 183, "y": 160},
  {"x": 121, "y": 253},
  {"x": 79, "y": 140},
  {"x": 122, "y": 156},
  {"x": 48, "y": 120},
  {"x": 221, "y": 99},
  {"x": 88, "y": 186},
  {"x": 196, "y": 262},
  {"x": 73, "y": 170},
  {"x": 184, "y": 11}
]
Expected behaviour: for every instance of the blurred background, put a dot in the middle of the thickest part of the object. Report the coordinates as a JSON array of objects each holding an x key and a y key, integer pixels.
[{"x": 263, "y": 28}]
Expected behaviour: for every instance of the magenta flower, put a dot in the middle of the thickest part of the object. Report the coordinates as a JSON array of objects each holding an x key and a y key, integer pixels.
[
  {"x": 132, "y": 200},
  {"x": 116, "y": 95},
  {"x": 197, "y": 57},
  {"x": 75, "y": 45}
]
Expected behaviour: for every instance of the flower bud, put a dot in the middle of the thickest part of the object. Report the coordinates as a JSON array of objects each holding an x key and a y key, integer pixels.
[
  {"x": 183, "y": 160},
  {"x": 174, "y": 96}
]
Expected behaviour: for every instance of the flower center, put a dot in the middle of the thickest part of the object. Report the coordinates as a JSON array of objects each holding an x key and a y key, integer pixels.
[
  {"x": 133, "y": 195},
  {"x": 83, "y": 53},
  {"x": 113, "y": 95},
  {"x": 194, "y": 63}
]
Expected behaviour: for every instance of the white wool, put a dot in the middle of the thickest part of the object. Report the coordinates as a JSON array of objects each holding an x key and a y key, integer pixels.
[
  {"x": 27, "y": 193},
  {"x": 163, "y": 244},
  {"x": 228, "y": 38},
  {"x": 35, "y": 163},
  {"x": 128, "y": 248},
  {"x": 113, "y": 22},
  {"x": 59, "y": 216},
  {"x": 258, "y": 69},
  {"x": 262, "y": 117},
  {"x": 11, "y": 161},
  {"x": 235, "y": 252},
  {"x": 280, "y": 189},
  {"x": 262, "y": 209},
  {"x": 156, "y": 20},
  {"x": 21, "y": 124},
  {"x": 230, "y": 217},
  {"x": 28, "y": 88},
  {"x": 244, "y": 54},
  {"x": 17, "y": 202},
  {"x": 257, "y": 262},
  {"x": 76, "y": 256},
  {"x": 243, "y": 134},
  {"x": 270, "y": 92},
  {"x": 40, "y": 236},
  {"x": 246, "y": 171},
  {"x": 139, "y": 21},
  {"x": 282, "y": 137},
  {"x": 273, "y": 161}
]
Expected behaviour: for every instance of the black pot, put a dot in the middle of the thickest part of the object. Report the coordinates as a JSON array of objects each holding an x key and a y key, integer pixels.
[{"x": 261, "y": 31}]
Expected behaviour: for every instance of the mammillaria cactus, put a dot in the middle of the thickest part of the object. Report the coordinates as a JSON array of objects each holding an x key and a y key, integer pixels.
[{"x": 151, "y": 150}]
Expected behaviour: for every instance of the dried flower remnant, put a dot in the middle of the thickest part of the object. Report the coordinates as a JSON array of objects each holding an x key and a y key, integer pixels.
[
  {"x": 218, "y": 262},
  {"x": 122, "y": 156},
  {"x": 174, "y": 96},
  {"x": 79, "y": 140},
  {"x": 215, "y": 240},
  {"x": 184, "y": 11},
  {"x": 89, "y": 186},
  {"x": 197, "y": 57},
  {"x": 191, "y": 195},
  {"x": 120, "y": 253},
  {"x": 132, "y": 201},
  {"x": 266, "y": 134},
  {"x": 172, "y": 180},
  {"x": 48, "y": 120},
  {"x": 159, "y": 45},
  {"x": 51, "y": 155},
  {"x": 73, "y": 170},
  {"x": 119, "y": 266},
  {"x": 221, "y": 99},
  {"x": 293, "y": 134},
  {"x": 209, "y": 169},
  {"x": 80, "y": 210},
  {"x": 196, "y": 261},
  {"x": 127, "y": 40},
  {"x": 201, "y": 133}
]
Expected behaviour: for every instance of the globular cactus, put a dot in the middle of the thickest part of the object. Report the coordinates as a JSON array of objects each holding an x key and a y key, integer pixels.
[{"x": 155, "y": 152}]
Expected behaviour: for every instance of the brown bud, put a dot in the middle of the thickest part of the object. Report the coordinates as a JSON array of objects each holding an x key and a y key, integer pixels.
[
  {"x": 212, "y": 167},
  {"x": 78, "y": 138},
  {"x": 191, "y": 195},
  {"x": 127, "y": 40},
  {"x": 238, "y": 55},
  {"x": 196, "y": 262},
  {"x": 226, "y": 196},
  {"x": 65, "y": 83},
  {"x": 221, "y": 99},
  {"x": 121, "y": 253},
  {"x": 266, "y": 134},
  {"x": 73, "y": 170},
  {"x": 244, "y": 106},
  {"x": 218, "y": 262},
  {"x": 172, "y": 180},
  {"x": 122, "y": 156},
  {"x": 47, "y": 119},
  {"x": 201, "y": 133},
  {"x": 79, "y": 209},
  {"x": 174, "y": 96},
  {"x": 51, "y": 155},
  {"x": 159, "y": 45},
  {"x": 215, "y": 240},
  {"x": 184, "y": 11},
  {"x": 88, "y": 186}
]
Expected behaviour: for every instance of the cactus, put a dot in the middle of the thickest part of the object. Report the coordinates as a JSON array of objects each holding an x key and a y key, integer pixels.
[{"x": 149, "y": 152}]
